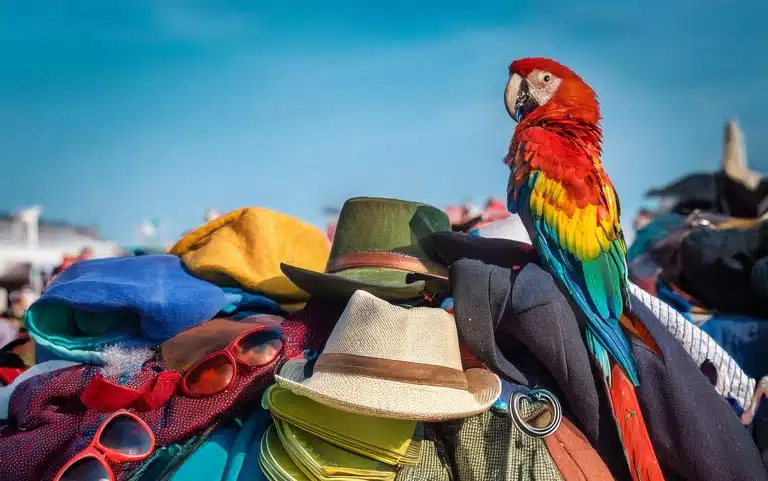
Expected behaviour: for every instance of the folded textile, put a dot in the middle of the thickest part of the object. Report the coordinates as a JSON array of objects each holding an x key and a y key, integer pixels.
[
  {"x": 389, "y": 441},
  {"x": 244, "y": 304},
  {"x": 716, "y": 267},
  {"x": 36, "y": 370},
  {"x": 165, "y": 460},
  {"x": 659, "y": 228},
  {"x": 323, "y": 461},
  {"x": 223, "y": 455},
  {"x": 732, "y": 381},
  {"x": 48, "y": 407},
  {"x": 495, "y": 446},
  {"x": 245, "y": 247},
  {"x": 209, "y": 460},
  {"x": 143, "y": 300}
]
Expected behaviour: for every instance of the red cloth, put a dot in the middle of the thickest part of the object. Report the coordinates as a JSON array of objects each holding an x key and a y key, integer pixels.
[
  {"x": 8, "y": 374},
  {"x": 48, "y": 423},
  {"x": 104, "y": 395}
]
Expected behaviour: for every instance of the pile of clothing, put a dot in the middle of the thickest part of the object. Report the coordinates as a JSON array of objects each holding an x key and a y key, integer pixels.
[
  {"x": 403, "y": 351},
  {"x": 706, "y": 254}
]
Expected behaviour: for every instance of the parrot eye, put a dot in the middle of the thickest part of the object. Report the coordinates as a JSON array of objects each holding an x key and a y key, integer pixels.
[{"x": 547, "y": 77}]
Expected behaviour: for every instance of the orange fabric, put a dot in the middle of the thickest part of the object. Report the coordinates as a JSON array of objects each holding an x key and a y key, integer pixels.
[
  {"x": 632, "y": 324},
  {"x": 574, "y": 456}
]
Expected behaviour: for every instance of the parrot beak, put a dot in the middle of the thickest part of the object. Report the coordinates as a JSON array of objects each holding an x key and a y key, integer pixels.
[
  {"x": 517, "y": 99},
  {"x": 511, "y": 93}
]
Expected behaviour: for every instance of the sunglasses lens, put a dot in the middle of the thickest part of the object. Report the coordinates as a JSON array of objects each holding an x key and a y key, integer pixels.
[
  {"x": 259, "y": 348},
  {"x": 210, "y": 377},
  {"x": 86, "y": 469},
  {"x": 125, "y": 435}
]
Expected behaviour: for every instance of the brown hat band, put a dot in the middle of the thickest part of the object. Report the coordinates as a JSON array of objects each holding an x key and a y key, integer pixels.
[
  {"x": 391, "y": 370},
  {"x": 391, "y": 260}
]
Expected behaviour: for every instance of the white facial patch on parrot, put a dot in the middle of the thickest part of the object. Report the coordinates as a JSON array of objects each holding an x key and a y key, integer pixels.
[{"x": 542, "y": 86}]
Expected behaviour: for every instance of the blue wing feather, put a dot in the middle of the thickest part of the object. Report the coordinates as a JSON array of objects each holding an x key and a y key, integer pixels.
[{"x": 594, "y": 285}]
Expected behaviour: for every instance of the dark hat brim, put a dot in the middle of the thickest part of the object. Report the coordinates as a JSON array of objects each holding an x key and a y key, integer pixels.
[
  {"x": 322, "y": 284},
  {"x": 453, "y": 246}
]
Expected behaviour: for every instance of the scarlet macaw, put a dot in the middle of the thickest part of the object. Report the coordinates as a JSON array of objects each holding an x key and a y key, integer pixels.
[{"x": 571, "y": 211}]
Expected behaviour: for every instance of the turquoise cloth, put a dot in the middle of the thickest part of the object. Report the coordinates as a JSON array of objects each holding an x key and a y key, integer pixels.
[
  {"x": 657, "y": 229},
  {"x": 165, "y": 460},
  {"x": 231, "y": 453}
]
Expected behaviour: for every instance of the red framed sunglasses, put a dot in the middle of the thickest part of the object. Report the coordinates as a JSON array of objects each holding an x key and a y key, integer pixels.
[
  {"x": 256, "y": 347},
  {"x": 122, "y": 437}
]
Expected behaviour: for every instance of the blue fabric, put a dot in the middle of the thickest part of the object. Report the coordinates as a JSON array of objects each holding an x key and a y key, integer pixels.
[
  {"x": 208, "y": 461},
  {"x": 231, "y": 453},
  {"x": 243, "y": 304},
  {"x": 145, "y": 299},
  {"x": 744, "y": 338},
  {"x": 678, "y": 302},
  {"x": 47, "y": 351},
  {"x": 253, "y": 429},
  {"x": 447, "y": 303},
  {"x": 657, "y": 229}
]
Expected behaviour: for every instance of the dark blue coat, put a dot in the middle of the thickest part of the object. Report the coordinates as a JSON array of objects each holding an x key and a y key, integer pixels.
[{"x": 696, "y": 434}]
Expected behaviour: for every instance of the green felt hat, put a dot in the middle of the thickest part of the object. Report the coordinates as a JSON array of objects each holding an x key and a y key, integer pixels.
[{"x": 380, "y": 247}]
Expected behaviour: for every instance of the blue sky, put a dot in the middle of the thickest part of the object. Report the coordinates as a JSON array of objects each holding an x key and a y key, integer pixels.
[{"x": 115, "y": 112}]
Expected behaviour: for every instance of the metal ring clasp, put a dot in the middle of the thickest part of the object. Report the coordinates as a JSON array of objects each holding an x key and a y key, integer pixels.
[{"x": 536, "y": 395}]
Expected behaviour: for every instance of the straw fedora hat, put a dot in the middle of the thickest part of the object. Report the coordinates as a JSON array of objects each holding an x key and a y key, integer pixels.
[{"x": 388, "y": 361}]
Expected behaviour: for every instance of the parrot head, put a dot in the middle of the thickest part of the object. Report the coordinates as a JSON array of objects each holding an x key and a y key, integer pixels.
[{"x": 540, "y": 89}]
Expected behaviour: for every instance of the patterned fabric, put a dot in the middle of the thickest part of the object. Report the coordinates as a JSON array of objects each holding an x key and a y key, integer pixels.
[
  {"x": 48, "y": 423},
  {"x": 732, "y": 382},
  {"x": 434, "y": 464},
  {"x": 488, "y": 447}
]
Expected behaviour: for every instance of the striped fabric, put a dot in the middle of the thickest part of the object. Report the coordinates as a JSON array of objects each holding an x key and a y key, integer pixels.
[{"x": 732, "y": 382}]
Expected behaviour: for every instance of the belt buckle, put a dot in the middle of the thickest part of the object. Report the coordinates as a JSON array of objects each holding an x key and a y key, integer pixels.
[{"x": 535, "y": 395}]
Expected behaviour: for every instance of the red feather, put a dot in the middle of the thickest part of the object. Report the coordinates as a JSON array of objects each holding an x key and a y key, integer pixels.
[{"x": 643, "y": 464}]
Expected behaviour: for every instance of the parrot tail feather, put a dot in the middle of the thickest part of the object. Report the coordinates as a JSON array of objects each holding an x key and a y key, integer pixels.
[
  {"x": 600, "y": 353},
  {"x": 643, "y": 464},
  {"x": 633, "y": 325}
]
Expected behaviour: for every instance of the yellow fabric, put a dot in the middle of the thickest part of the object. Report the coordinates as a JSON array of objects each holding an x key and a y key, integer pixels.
[
  {"x": 274, "y": 460},
  {"x": 323, "y": 461},
  {"x": 390, "y": 441},
  {"x": 245, "y": 248}
]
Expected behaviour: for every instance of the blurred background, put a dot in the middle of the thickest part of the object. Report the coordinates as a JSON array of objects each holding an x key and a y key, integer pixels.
[{"x": 124, "y": 124}]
